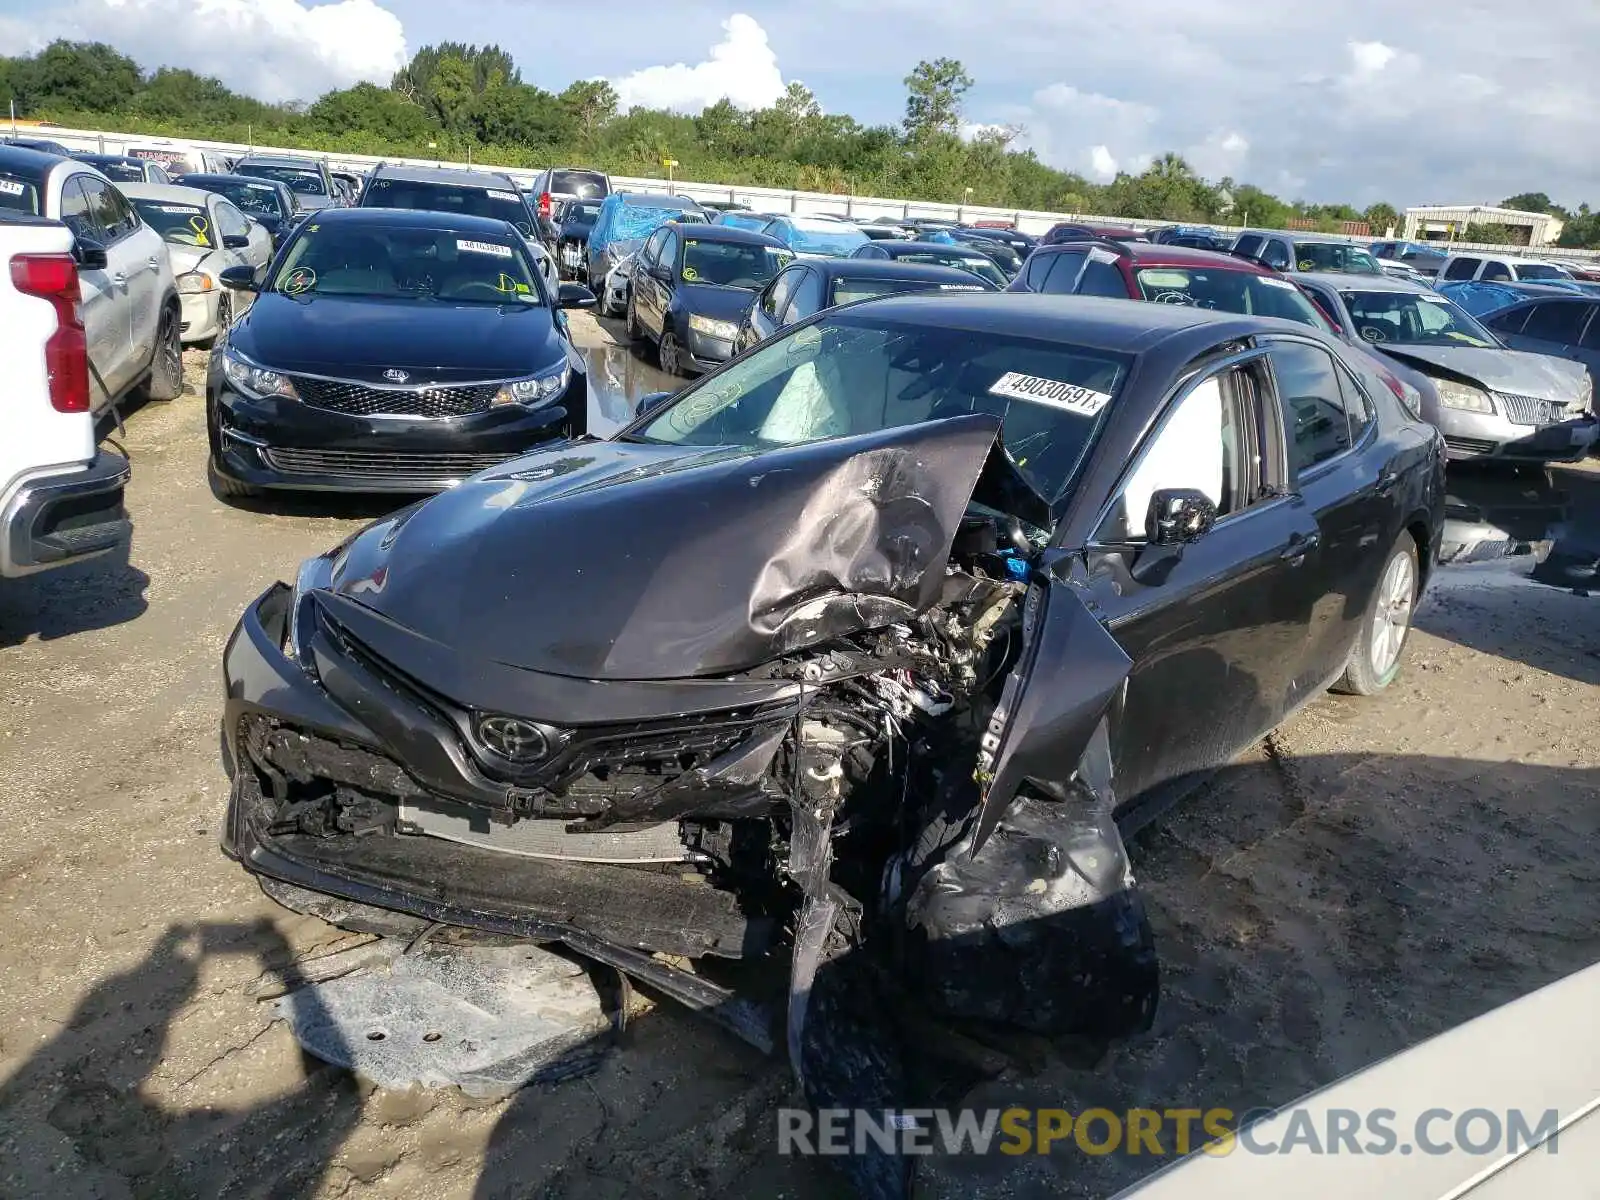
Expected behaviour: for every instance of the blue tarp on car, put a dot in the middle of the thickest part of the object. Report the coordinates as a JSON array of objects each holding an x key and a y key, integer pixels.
[{"x": 625, "y": 217}]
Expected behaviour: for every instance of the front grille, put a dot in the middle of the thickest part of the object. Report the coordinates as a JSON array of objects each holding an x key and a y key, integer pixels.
[
  {"x": 364, "y": 400},
  {"x": 1470, "y": 445},
  {"x": 388, "y": 465},
  {"x": 1530, "y": 410}
]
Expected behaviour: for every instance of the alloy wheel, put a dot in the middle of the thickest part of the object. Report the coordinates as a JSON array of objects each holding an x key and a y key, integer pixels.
[
  {"x": 669, "y": 352},
  {"x": 1391, "y": 617}
]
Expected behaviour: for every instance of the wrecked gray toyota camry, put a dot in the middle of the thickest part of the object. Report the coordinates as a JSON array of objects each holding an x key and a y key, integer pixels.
[{"x": 811, "y": 665}]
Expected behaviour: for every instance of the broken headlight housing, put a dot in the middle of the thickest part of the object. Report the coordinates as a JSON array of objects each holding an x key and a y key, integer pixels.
[
  {"x": 1463, "y": 396},
  {"x": 536, "y": 389},
  {"x": 252, "y": 379}
]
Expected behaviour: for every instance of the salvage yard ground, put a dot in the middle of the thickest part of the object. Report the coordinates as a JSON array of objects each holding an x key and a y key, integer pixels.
[{"x": 1377, "y": 872}]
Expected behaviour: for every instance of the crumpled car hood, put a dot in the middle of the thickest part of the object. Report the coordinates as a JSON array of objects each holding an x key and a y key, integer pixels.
[
  {"x": 1516, "y": 371},
  {"x": 617, "y": 560}
]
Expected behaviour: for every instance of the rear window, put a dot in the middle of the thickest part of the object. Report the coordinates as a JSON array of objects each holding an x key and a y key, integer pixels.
[
  {"x": 1540, "y": 271},
  {"x": 1332, "y": 256},
  {"x": 18, "y": 195},
  {"x": 582, "y": 184},
  {"x": 496, "y": 204},
  {"x": 121, "y": 172},
  {"x": 846, "y": 290},
  {"x": 978, "y": 264},
  {"x": 1229, "y": 291},
  {"x": 302, "y": 181}
]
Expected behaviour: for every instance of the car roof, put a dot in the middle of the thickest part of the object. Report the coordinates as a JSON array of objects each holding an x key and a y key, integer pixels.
[
  {"x": 224, "y": 176},
  {"x": 277, "y": 160},
  {"x": 894, "y": 246},
  {"x": 412, "y": 218},
  {"x": 18, "y": 160},
  {"x": 1343, "y": 280},
  {"x": 1089, "y": 321},
  {"x": 172, "y": 193},
  {"x": 452, "y": 176},
  {"x": 1161, "y": 254},
  {"x": 817, "y": 224},
  {"x": 84, "y": 156},
  {"x": 890, "y": 268},
  {"x": 725, "y": 233}
]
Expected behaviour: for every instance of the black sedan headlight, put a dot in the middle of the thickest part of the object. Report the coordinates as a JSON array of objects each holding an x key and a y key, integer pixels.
[
  {"x": 251, "y": 379},
  {"x": 536, "y": 390}
]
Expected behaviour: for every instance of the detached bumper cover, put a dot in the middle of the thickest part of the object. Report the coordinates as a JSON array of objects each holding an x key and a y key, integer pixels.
[{"x": 57, "y": 519}]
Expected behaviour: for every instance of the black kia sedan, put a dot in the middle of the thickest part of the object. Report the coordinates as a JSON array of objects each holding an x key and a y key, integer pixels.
[
  {"x": 851, "y": 659},
  {"x": 691, "y": 288},
  {"x": 391, "y": 350}
]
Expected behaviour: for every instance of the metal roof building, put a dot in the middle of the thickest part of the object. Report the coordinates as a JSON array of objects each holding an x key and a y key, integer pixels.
[{"x": 1450, "y": 222}]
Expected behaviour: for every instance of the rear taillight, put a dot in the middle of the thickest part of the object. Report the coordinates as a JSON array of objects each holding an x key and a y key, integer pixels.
[
  {"x": 1393, "y": 380},
  {"x": 546, "y": 205},
  {"x": 54, "y": 277}
]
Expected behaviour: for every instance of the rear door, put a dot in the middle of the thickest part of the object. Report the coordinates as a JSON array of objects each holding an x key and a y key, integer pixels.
[
  {"x": 807, "y": 297},
  {"x": 135, "y": 253},
  {"x": 105, "y": 308},
  {"x": 1463, "y": 266},
  {"x": 1061, "y": 275}
]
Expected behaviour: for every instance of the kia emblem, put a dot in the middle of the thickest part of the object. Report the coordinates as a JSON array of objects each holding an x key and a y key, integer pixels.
[{"x": 394, "y": 375}]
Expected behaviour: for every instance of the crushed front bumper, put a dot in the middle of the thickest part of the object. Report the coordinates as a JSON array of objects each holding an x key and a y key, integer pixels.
[
  {"x": 51, "y": 520},
  {"x": 1470, "y": 435},
  {"x": 542, "y": 899}
]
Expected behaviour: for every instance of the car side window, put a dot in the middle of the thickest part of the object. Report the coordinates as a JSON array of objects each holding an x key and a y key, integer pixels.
[
  {"x": 778, "y": 294},
  {"x": 1206, "y": 441},
  {"x": 669, "y": 250},
  {"x": 652, "y": 249},
  {"x": 1510, "y": 321},
  {"x": 1462, "y": 268},
  {"x": 1559, "y": 321},
  {"x": 1359, "y": 408},
  {"x": 1316, "y": 426},
  {"x": 1276, "y": 255},
  {"x": 76, "y": 214},
  {"x": 1102, "y": 278},
  {"x": 1248, "y": 243},
  {"x": 1494, "y": 272},
  {"x": 1035, "y": 269},
  {"x": 230, "y": 221},
  {"x": 806, "y": 299},
  {"x": 1063, "y": 274}
]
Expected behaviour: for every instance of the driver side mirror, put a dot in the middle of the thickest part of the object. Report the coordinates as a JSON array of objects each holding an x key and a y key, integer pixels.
[
  {"x": 241, "y": 278},
  {"x": 574, "y": 295},
  {"x": 235, "y": 241},
  {"x": 90, "y": 254},
  {"x": 1178, "y": 516},
  {"x": 649, "y": 401}
]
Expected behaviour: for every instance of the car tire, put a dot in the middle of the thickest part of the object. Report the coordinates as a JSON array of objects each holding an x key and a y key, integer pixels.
[
  {"x": 225, "y": 488},
  {"x": 635, "y": 332},
  {"x": 1386, "y": 625},
  {"x": 166, "y": 367},
  {"x": 224, "y": 319},
  {"x": 669, "y": 353}
]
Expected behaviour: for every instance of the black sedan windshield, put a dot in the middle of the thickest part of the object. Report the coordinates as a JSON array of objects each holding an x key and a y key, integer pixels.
[
  {"x": 976, "y": 263},
  {"x": 255, "y": 198},
  {"x": 497, "y": 205},
  {"x": 853, "y": 374},
  {"x": 300, "y": 180},
  {"x": 864, "y": 288},
  {"x": 1407, "y": 319},
  {"x": 121, "y": 172},
  {"x": 731, "y": 264},
  {"x": 407, "y": 262}
]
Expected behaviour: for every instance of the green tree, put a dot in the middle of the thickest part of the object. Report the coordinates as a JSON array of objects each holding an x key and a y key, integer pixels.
[
  {"x": 484, "y": 63},
  {"x": 1381, "y": 217},
  {"x": 514, "y": 114},
  {"x": 450, "y": 93},
  {"x": 368, "y": 109},
  {"x": 933, "y": 98},
  {"x": 1535, "y": 202},
  {"x": 590, "y": 103},
  {"x": 76, "y": 77}
]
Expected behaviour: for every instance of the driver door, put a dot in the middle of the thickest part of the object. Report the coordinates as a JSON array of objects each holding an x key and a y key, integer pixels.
[
  {"x": 662, "y": 283},
  {"x": 1216, "y": 642}
]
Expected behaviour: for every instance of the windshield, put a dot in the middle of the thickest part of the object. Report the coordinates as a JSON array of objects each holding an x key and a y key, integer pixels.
[
  {"x": 750, "y": 221},
  {"x": 1540, "y": 271},
  {"x": 846, "y": 290},
  {"x": 1332, "y": 256},
  {"x": 301, "y": 180},
  {"x": 854, "y": 373},
  {"x": 122, "y": 172},
  {"x": 839, "y": 242},
  {"x": 1232, "y": 291},
  {"x": 978, "y": 264},
  {"x": 18, "y": 195},
  {"x": 1404, "y": 319},
  {"x": 253, "y": 198},
  {"x": 579, "y": 211},
  {"x": 493, "y": 203},
  {"x": 179, "y": 224},
  {"x": 728, "y": 264},
  {"x": 407, "y": 262}
]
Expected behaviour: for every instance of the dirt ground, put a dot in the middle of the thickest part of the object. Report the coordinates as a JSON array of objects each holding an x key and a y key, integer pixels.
[{"x": 1379, "y": 871}]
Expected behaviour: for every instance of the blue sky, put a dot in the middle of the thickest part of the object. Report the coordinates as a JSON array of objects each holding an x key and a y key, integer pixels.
[{"x": 1358, "y": 100}]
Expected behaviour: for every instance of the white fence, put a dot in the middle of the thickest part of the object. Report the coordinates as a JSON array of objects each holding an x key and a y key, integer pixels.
[{"x": 862, "y": 208}]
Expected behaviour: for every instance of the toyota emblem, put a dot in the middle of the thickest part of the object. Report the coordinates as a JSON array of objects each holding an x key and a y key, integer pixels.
[
  {"x": 513, "y": 739},
  {"x": 394, "y": 375}
]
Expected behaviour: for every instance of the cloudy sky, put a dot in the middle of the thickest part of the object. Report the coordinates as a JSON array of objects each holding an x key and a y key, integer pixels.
[{"x": 1358, "y": 100}]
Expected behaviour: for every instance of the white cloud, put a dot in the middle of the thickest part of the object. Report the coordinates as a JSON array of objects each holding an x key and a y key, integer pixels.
[
  {"x": 1370, "y": 57},
  {"x": 1222, "y": 153},
  {"x": 1101, "y": 165},
  {"x": 272, "y": 49},
  {"x": 742, "y": 68},
  {"x": 1089, "y": 132}
]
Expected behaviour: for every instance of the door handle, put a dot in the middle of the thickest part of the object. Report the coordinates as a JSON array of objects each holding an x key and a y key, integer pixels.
[
  {"x": 1300, "y": 544},
  {"x": 153, "y": 263},
  {"x": 1387, "y": 482},
  {"x": 120, "y": 279}
]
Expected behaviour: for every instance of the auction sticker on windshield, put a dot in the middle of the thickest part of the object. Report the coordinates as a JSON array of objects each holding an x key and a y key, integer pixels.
[
  {"x": 493, "y": 195},
  {"x": 1070, "y": 396},
  {"x": 466, "y": 247}
]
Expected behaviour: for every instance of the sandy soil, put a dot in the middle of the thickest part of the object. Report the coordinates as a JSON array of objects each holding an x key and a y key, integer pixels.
[{"x": 1379, "y": 871}]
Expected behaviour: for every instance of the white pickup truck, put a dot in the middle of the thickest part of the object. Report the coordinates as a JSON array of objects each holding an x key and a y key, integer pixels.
[{"x": 61, "y": 498}]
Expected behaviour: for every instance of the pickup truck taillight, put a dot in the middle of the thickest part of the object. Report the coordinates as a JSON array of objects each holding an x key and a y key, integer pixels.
[
  {"x": 54, "y": 277},
  {"x": 546, "y": 205}
]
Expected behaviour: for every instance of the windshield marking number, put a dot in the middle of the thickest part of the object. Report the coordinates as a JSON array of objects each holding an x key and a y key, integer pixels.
[
  {"x": 467, "y": 247},
  {"x": 1070, "y": 396}
]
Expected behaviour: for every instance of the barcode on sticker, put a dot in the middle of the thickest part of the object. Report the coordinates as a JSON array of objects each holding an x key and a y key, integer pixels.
[
  {"x": 512, "y": 196},
  {"x": 466, "y": 247},
  {"x": 179, "y": 209},
  {"x": 7, "y": 188},
  {"x": 1050, "y": 391}
]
